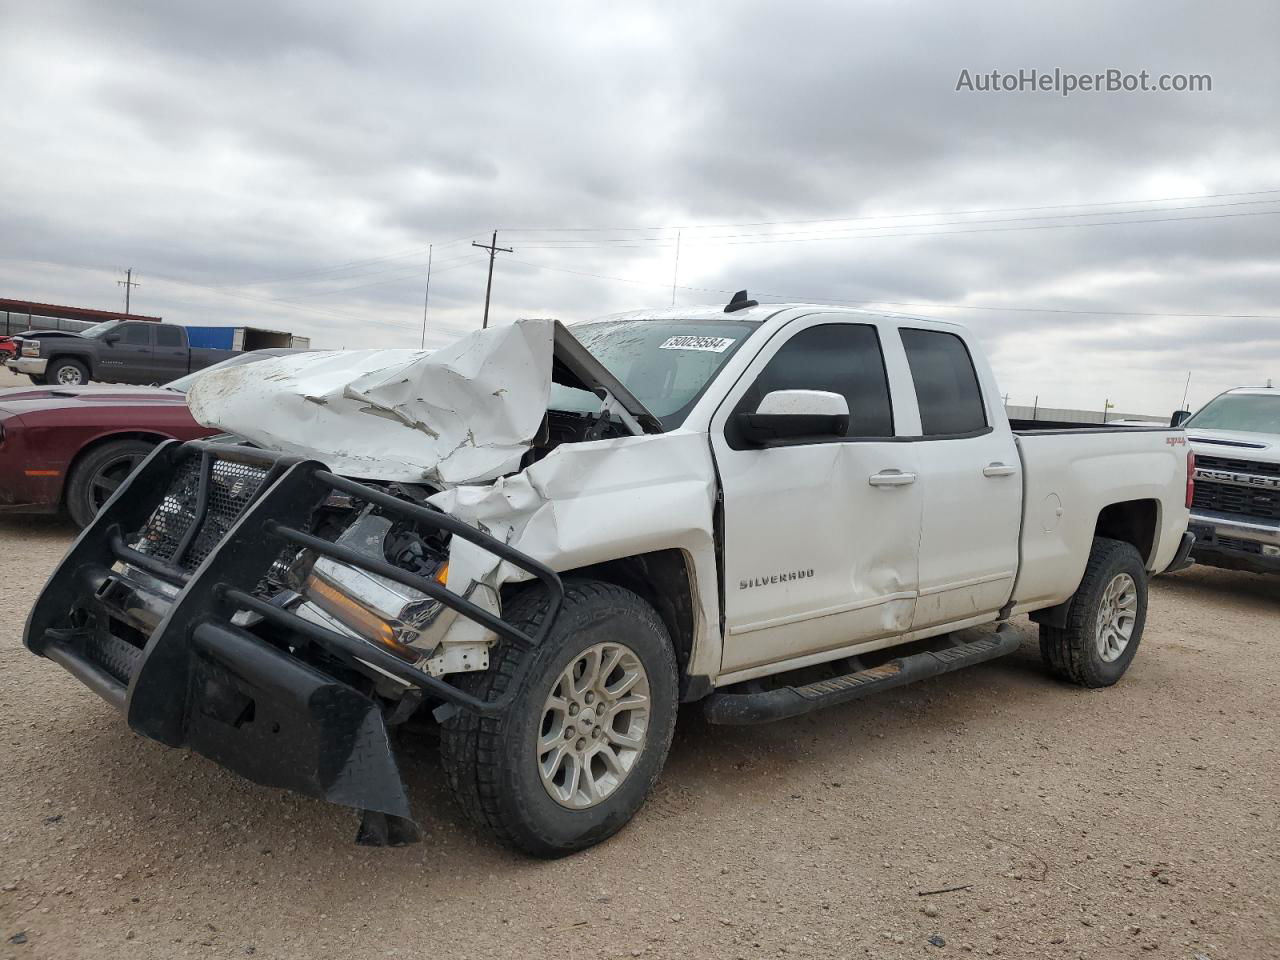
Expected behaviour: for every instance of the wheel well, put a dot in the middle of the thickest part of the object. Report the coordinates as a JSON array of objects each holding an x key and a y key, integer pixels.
[
  {"x": 153, "y": 438},
  {"x": 83, "y": 361},
  {"x": 1133, "y": 521},
  {"x": 663, "y": 580}
]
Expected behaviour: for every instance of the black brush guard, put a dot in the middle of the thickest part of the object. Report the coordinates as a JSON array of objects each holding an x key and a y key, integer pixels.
[{"x": 184, "y": 674}]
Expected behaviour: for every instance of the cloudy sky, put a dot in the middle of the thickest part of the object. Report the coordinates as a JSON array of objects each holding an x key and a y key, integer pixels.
[{"x": 287, "y": 164}]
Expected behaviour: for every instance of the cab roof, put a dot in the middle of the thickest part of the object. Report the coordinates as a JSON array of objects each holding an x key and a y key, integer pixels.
[{"x": 755, "y": 314}]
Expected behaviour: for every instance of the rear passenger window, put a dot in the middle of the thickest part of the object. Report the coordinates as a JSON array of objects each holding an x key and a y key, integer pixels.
[
  {"x": 136, "y": 334},
  {"x": 946, "y": 383},
  {"x": 842, "y": 358},
  {"x": 168, "y": 337}
]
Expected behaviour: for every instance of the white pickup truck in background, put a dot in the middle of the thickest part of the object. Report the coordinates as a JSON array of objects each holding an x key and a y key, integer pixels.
[
  {"x": 557, "y": 536},
  {"x": 1235, "y": 515}
]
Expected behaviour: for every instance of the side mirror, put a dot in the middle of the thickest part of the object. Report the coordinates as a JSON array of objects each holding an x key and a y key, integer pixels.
[
  {"x": 1179, "y": 417},
  {"x": 793, "y": 414},
  {"x": 111, "y": 338}
]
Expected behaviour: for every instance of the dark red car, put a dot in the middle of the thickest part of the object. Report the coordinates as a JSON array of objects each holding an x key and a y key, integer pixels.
[{"x": 72, "y": 446}]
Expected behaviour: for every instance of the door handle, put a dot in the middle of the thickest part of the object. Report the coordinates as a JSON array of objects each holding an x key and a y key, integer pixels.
[
  {"x": 998, "y": 469},
  {"x": 891, "y": 478}
]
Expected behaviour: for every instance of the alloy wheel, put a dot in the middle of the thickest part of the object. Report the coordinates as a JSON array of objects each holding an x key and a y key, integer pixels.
[
  {"x": 1117, "y": 614},
  {"x": 593, "y": 726}
]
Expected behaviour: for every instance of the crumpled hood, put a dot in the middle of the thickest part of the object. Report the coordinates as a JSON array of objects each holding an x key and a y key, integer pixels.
[{"x": 461, "y": 414}]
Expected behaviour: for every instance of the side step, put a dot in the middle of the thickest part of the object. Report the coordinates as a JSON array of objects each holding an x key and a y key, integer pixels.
[{"x": 783, "y": 702}]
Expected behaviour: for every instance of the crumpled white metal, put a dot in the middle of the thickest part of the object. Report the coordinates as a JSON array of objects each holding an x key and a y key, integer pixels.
[{"x": 462, "y": 414}]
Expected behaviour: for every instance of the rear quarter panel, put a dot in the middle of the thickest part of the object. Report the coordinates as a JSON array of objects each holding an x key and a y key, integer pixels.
[{"x": 1068, "y": 478}]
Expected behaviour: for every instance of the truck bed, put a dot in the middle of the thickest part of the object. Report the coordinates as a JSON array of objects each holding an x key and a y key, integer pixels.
[
  {"x": 1069, "y": 426},
  {"x": 1070, "y": 474}
]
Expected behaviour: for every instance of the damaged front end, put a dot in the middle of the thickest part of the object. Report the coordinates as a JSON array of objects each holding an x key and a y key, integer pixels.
[{"x": 277, "y": 618}]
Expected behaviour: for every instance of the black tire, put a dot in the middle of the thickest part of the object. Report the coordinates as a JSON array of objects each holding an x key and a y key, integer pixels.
[
  {"x": 75, "y": 372},
  {"x": 39, "y": 381},
  {"x": 1073, "y": 652},
  {"x": 97, "y": 473},
  {"x": 491, "y": 763}
]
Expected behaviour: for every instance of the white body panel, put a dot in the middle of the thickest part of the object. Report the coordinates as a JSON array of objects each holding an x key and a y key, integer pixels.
[
  {"x": 804, "y": 572},
  {"x": 1070, "y": 476},
  {"x": 819, "y": 549}
]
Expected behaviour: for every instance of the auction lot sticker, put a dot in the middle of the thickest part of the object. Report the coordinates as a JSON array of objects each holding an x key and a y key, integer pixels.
[{"x": 709, "y": 344}]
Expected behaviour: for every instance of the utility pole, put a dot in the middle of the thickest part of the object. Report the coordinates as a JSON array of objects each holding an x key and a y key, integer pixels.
[
  {"x": 426, "y": 297},
  {"x": 675, "y": 272},
  {"x": 493, "y": 249},
  {"x": 128, "y": 283}
]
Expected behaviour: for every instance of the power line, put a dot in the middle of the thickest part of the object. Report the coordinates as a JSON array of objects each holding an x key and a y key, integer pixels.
[
  {"x": 947, "y": 213},
  {"x": 1039, "y": 226},
  {"x": 789, "y": 298},
  {"x": 336, "y": 268},
  {"x": 415, "y": 275},
  {"x": 812, "y": 235}
]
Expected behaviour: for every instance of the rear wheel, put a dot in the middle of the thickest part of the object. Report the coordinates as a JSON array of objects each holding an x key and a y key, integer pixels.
[
  {"x": 67, "y": 373},
  {"x": 574, "y": 756},
  {"x": 98, "y": 473},
  {"x": 1105, "y": 620}
]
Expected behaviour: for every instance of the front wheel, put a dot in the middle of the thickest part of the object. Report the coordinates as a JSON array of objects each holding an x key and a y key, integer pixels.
[
  {"x": 574, "y": 756},
  {"x": 67, "y": 373},
  {"x": 98, "y": 473},
  {"x": 1105, "y": 619}
]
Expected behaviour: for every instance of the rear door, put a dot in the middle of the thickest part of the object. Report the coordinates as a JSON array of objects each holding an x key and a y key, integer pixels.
[
  {"x": 170, "y": 358},
  {"x": 970, "y": 479},
  {"x": 820, "y": 536},
  {"x": 126, "y": 354}
]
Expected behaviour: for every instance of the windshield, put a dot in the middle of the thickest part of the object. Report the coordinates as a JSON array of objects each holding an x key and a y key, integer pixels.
[
  {"x": 98, "y": 329},
  {"x": 1246, "y": 412},
  {"x": 666, "y": 364},
  {"x": 183, "y": 384}
]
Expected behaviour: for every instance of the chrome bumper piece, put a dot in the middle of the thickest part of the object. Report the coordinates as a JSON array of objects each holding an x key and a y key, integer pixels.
[{"x": 28, "y": 365}]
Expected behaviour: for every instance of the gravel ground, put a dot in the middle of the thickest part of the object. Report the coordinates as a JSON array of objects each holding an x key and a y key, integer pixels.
[{"x": 1139, "y": 821}]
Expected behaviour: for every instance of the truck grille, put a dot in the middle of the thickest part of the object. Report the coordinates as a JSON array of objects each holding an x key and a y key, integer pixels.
[
  {"x": 1238, "y": 466},
  {"x": 232, "y": 487},
  {"x": 1229, "y": 498}
]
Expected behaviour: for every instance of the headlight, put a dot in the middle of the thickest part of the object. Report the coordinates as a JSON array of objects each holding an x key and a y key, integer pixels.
[
  {"x": 31, "y": 348},
  {"x": 372, "y": 607}
]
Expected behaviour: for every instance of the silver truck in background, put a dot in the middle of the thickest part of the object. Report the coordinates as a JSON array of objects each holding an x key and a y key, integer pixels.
[{"x": 1235, "y": 509}]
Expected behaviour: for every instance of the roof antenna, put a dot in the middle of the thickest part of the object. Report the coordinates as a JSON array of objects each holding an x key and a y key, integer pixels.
[{"x": 740, "y": 302}]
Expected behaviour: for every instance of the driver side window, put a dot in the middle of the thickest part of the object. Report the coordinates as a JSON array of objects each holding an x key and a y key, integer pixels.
[
  {"x": 843, "y": 358},
  {"x": 135, "y": 334}
]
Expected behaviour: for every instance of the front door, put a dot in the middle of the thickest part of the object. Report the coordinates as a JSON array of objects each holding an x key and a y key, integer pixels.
[
  {"x": 125, "y": 356},
  {"x": 820, "y": 536}
]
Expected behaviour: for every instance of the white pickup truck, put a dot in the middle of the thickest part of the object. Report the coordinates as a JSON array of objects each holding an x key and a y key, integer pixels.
[
  {"x": 1235, "y": 514},
  {"x": 545, "y": 540}
]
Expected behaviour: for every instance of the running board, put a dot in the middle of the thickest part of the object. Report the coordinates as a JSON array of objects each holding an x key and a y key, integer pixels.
[{"x": 778, "y": 704}]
